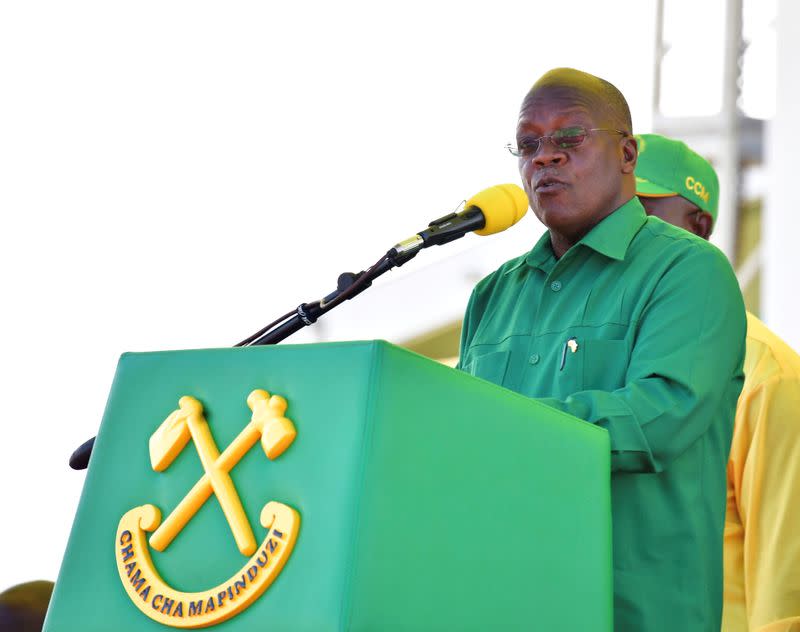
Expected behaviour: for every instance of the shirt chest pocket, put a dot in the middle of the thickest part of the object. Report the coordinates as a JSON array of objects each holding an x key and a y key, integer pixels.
[
  {"x": 490, "y": 366},
  {"x": 591, "y": 364}
]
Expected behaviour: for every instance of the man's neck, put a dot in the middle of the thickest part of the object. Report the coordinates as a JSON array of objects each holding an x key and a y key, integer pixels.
[{"x": 561, "y": 242}]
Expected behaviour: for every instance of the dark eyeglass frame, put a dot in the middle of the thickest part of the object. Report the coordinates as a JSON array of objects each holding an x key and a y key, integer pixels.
[{"x": 564, "y": 138}]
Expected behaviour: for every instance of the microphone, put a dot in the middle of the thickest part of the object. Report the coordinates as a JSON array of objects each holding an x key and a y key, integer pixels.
[{"x": 490, "y": 211}]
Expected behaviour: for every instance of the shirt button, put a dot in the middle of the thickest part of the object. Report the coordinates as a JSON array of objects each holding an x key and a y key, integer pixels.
[
  {"x": 534, "y": 359},
  {"x": 555, "y": 286}
]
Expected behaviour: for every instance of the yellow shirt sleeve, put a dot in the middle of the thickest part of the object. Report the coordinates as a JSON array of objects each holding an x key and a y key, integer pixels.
[{"x": 762, "y": 527}]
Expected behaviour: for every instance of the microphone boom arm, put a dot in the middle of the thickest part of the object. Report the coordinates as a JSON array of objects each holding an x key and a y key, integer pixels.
[{"x": 348, "y": 285}]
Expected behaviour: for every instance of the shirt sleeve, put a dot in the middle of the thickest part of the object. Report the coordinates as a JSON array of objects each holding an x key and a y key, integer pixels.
[
  {"x": 472, "y": 316},
  {"x": 685, "y": 366},
  {"x": 765, "y": 466}
]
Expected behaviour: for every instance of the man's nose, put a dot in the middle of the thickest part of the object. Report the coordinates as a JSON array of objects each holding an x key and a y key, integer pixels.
[{"x": 548, "y": 154}]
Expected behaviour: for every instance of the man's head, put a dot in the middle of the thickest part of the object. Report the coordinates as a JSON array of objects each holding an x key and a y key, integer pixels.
[
  {"x": 677, "y": 184},
  {"x": 23, "y": 607},
  {"x": 584, "y": 169}
]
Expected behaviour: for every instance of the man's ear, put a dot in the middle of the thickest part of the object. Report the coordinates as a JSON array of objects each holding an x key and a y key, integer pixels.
[
  {"x": 702, "y": 223},
  {"x": 630, "y": 153}
]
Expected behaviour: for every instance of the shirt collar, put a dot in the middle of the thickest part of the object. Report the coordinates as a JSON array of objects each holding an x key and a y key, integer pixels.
[
  {"x": 541, "y": 252},
  {"x": 611, "y": 237}
]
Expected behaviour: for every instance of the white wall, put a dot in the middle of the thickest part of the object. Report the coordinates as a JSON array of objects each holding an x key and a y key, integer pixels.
[{"x": 780, "y": 251}]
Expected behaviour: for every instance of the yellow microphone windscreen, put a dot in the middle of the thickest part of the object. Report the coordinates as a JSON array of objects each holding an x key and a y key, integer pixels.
[{"x": 503, "y": 206}]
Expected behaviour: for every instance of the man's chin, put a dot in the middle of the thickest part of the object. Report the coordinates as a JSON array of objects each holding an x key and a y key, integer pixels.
[{"x": 552, "y": 213}]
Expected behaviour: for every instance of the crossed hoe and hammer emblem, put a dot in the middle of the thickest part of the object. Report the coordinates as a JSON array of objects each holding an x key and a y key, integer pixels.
[{"x": 267, "y": 424}]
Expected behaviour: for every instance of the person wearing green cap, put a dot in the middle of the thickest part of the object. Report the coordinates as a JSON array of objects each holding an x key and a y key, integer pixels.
[
  {"x": 676, "y": 184},
  {"x": 628, "y": 323},
  {"x": 762, "y": 522}
]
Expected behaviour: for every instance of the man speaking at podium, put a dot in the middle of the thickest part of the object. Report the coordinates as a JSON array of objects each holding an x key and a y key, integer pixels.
[{"x": 629, "y": 323}]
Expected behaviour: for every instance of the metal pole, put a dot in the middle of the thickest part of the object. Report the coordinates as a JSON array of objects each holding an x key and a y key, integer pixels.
[
  {"x": 730, "y": 158},
  {"x": 658, "y": 58}
]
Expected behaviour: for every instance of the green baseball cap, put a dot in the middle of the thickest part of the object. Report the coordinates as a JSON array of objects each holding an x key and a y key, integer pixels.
[{"x": 668, "y": 167}]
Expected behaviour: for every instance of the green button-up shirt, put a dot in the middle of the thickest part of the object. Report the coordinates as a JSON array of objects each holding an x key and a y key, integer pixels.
[{"x": 640, "y": 329}]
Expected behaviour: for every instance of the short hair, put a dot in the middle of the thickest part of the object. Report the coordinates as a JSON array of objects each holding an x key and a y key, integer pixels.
[
  {"x": 23, "y": 607},
  {"x": 599, "y": 93}
]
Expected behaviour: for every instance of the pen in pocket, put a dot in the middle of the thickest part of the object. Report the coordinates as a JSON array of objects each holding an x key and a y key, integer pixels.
[{"x": 572, "y": 345}]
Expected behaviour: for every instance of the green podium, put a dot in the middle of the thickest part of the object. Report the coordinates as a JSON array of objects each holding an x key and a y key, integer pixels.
[{"x": 346, "y": 486}]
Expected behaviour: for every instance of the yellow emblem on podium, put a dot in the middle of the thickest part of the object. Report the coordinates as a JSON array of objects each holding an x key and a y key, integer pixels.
[{"x": 139, "y": 576}]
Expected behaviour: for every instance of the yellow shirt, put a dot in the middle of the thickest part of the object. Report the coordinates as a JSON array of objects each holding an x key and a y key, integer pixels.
[{"x": 762, "y": 522}]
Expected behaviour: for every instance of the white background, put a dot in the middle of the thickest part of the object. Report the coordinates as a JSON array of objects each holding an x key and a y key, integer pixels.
[{"x": 176, "y": 174}]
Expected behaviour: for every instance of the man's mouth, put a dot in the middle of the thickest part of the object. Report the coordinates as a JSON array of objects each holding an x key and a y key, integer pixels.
[{"x": 549, "y": 185}]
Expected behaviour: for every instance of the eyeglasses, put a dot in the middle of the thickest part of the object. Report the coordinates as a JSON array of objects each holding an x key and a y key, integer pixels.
[{"x": 565, "y": 138}]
